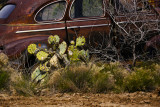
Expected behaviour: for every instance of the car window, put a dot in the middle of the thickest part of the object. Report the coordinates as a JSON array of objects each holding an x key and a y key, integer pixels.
[
  {"x": 86, "y": 8},
  {"x": 51, "y": 12},
  {"x": 6, "y": 10}
]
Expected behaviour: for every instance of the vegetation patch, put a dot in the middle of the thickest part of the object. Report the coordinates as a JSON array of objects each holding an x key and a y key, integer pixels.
[
  {"x": 4, "y": 78},
  {"x": 140, "y": 80},
  {"x": 4, "y": 71}
]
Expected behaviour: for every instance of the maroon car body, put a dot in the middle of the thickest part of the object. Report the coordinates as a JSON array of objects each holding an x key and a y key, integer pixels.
[{"x": 29, "y": 22}]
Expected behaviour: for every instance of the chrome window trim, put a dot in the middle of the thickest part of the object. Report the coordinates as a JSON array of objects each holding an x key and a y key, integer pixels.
[
  {"x": 46, "y": 6},
  {"x": 61, "y": 28},
  {"x": 88, "y": 16}
]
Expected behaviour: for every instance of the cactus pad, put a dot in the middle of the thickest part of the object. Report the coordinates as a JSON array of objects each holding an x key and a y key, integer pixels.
[
  {"x": 56, "y": 39},
  {"x": 53, "y": 39},
  {"x": 50, "y": 39},
  {"x": 73, "y": 53},
  {"x": 80, "y": 41},
  {"x": 32, "y": 48},
  {"x": 62, "y": 48},
  {"x": 54, "y": 61},
  {"x": 37, "y": 75},
  {"x": 72, "y": 42},
  {"x": 44, "y": 67},
  {"x": 41, "y": 55},
  {"x": 84, "y": 55}
]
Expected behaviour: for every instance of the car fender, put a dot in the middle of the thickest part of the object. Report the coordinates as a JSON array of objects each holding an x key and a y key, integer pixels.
[{"x": 17, "y": 47}]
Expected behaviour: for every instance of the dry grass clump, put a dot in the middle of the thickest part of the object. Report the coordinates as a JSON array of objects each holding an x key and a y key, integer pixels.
[
  {"x": 22, "y": 85},
  {"x": 144, "y": 77},
  {"x": 139, "y": 80},
  {"x": 119, "y": 73},
  {"x": 82, "y": 78},
  {"x": 12, "y": 80},
  {"x": 72, "y": 79},
  {"x": 101, "y": 78},
  {"x": 5, "y": 71},
  {"x": 4, "y": 77},
  {"x": 156, "y": 74}
]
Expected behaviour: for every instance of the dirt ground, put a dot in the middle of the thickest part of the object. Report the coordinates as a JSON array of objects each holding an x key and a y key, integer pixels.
[{"x": 137, "y": 99}]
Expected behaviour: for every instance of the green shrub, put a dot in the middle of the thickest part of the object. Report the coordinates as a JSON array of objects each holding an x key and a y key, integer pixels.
[
  {"x": 139, "y": 80},
  {"x": 157, "y": 74},
  {"x": 24, "y": 86},
  {"x": 147, "y": 65},
  {"x": 82, "y": 78},
  {"x": 4, "y": 71},
  {"x": 119, "y": 73},
  {"x": 4, "y": 79},
  {"x": 102, "y": 82},
  {"x": 73, "y": 79}
]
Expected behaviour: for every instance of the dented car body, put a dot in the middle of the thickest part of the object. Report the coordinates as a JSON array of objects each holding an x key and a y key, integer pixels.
[{"x": 23, "y": 22}]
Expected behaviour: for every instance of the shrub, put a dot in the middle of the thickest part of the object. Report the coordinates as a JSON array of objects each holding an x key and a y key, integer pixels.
[
  {"x": 4, "y": 79},
  {"x": 4, "y": 71},
  {"x": 82, "y": 78},
  {"x": 23, "y": 86},
  {"x": 102, "y": 82},
  {"x": 157, "y": 74},
  {"x": 119, "y": 73},
  {"x": 139, "y": 80},
  {"x": 73, "y": 79}
]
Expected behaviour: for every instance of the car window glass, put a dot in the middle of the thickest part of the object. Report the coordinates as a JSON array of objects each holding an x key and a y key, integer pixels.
[
  {"x": 6, "y": 11},
  {"x": 54, "y": 11},
  {"x": 86, "y": 8}
]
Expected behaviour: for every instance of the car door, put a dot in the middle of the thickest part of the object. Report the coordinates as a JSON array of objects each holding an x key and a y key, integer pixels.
[
  {"x": 48, "y": 20},
  {"x": 88, "y": 18}
]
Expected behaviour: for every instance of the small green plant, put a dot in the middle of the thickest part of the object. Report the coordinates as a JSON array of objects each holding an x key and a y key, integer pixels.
[
  {"x": 4, "y": 71},
  {"x": 73, "y": 79},
  {"x": 139, "y": 80},
  {"x": 118, "y": 74},
  {"x": 157, "y": 74},
  {"x": 102, "y": 82},
  {"x": 4, "y": 79},
  {"x": 24, "y": 86}
]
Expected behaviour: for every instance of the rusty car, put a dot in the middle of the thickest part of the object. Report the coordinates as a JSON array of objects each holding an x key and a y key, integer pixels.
[{"x": 23, "y": 22}]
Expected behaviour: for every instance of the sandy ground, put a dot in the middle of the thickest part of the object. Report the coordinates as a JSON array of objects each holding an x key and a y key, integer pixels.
[{"x": 137, "y": 99}]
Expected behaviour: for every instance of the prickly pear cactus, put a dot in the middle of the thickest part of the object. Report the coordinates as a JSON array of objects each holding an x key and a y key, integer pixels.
[
  {"x": 32, "y": 48},
  {"x": 74, "y": 53},
  {"x": 55, "y": 57}
]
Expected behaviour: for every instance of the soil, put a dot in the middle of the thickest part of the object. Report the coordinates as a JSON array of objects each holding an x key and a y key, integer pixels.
[{"x": 137, "y": 99}]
